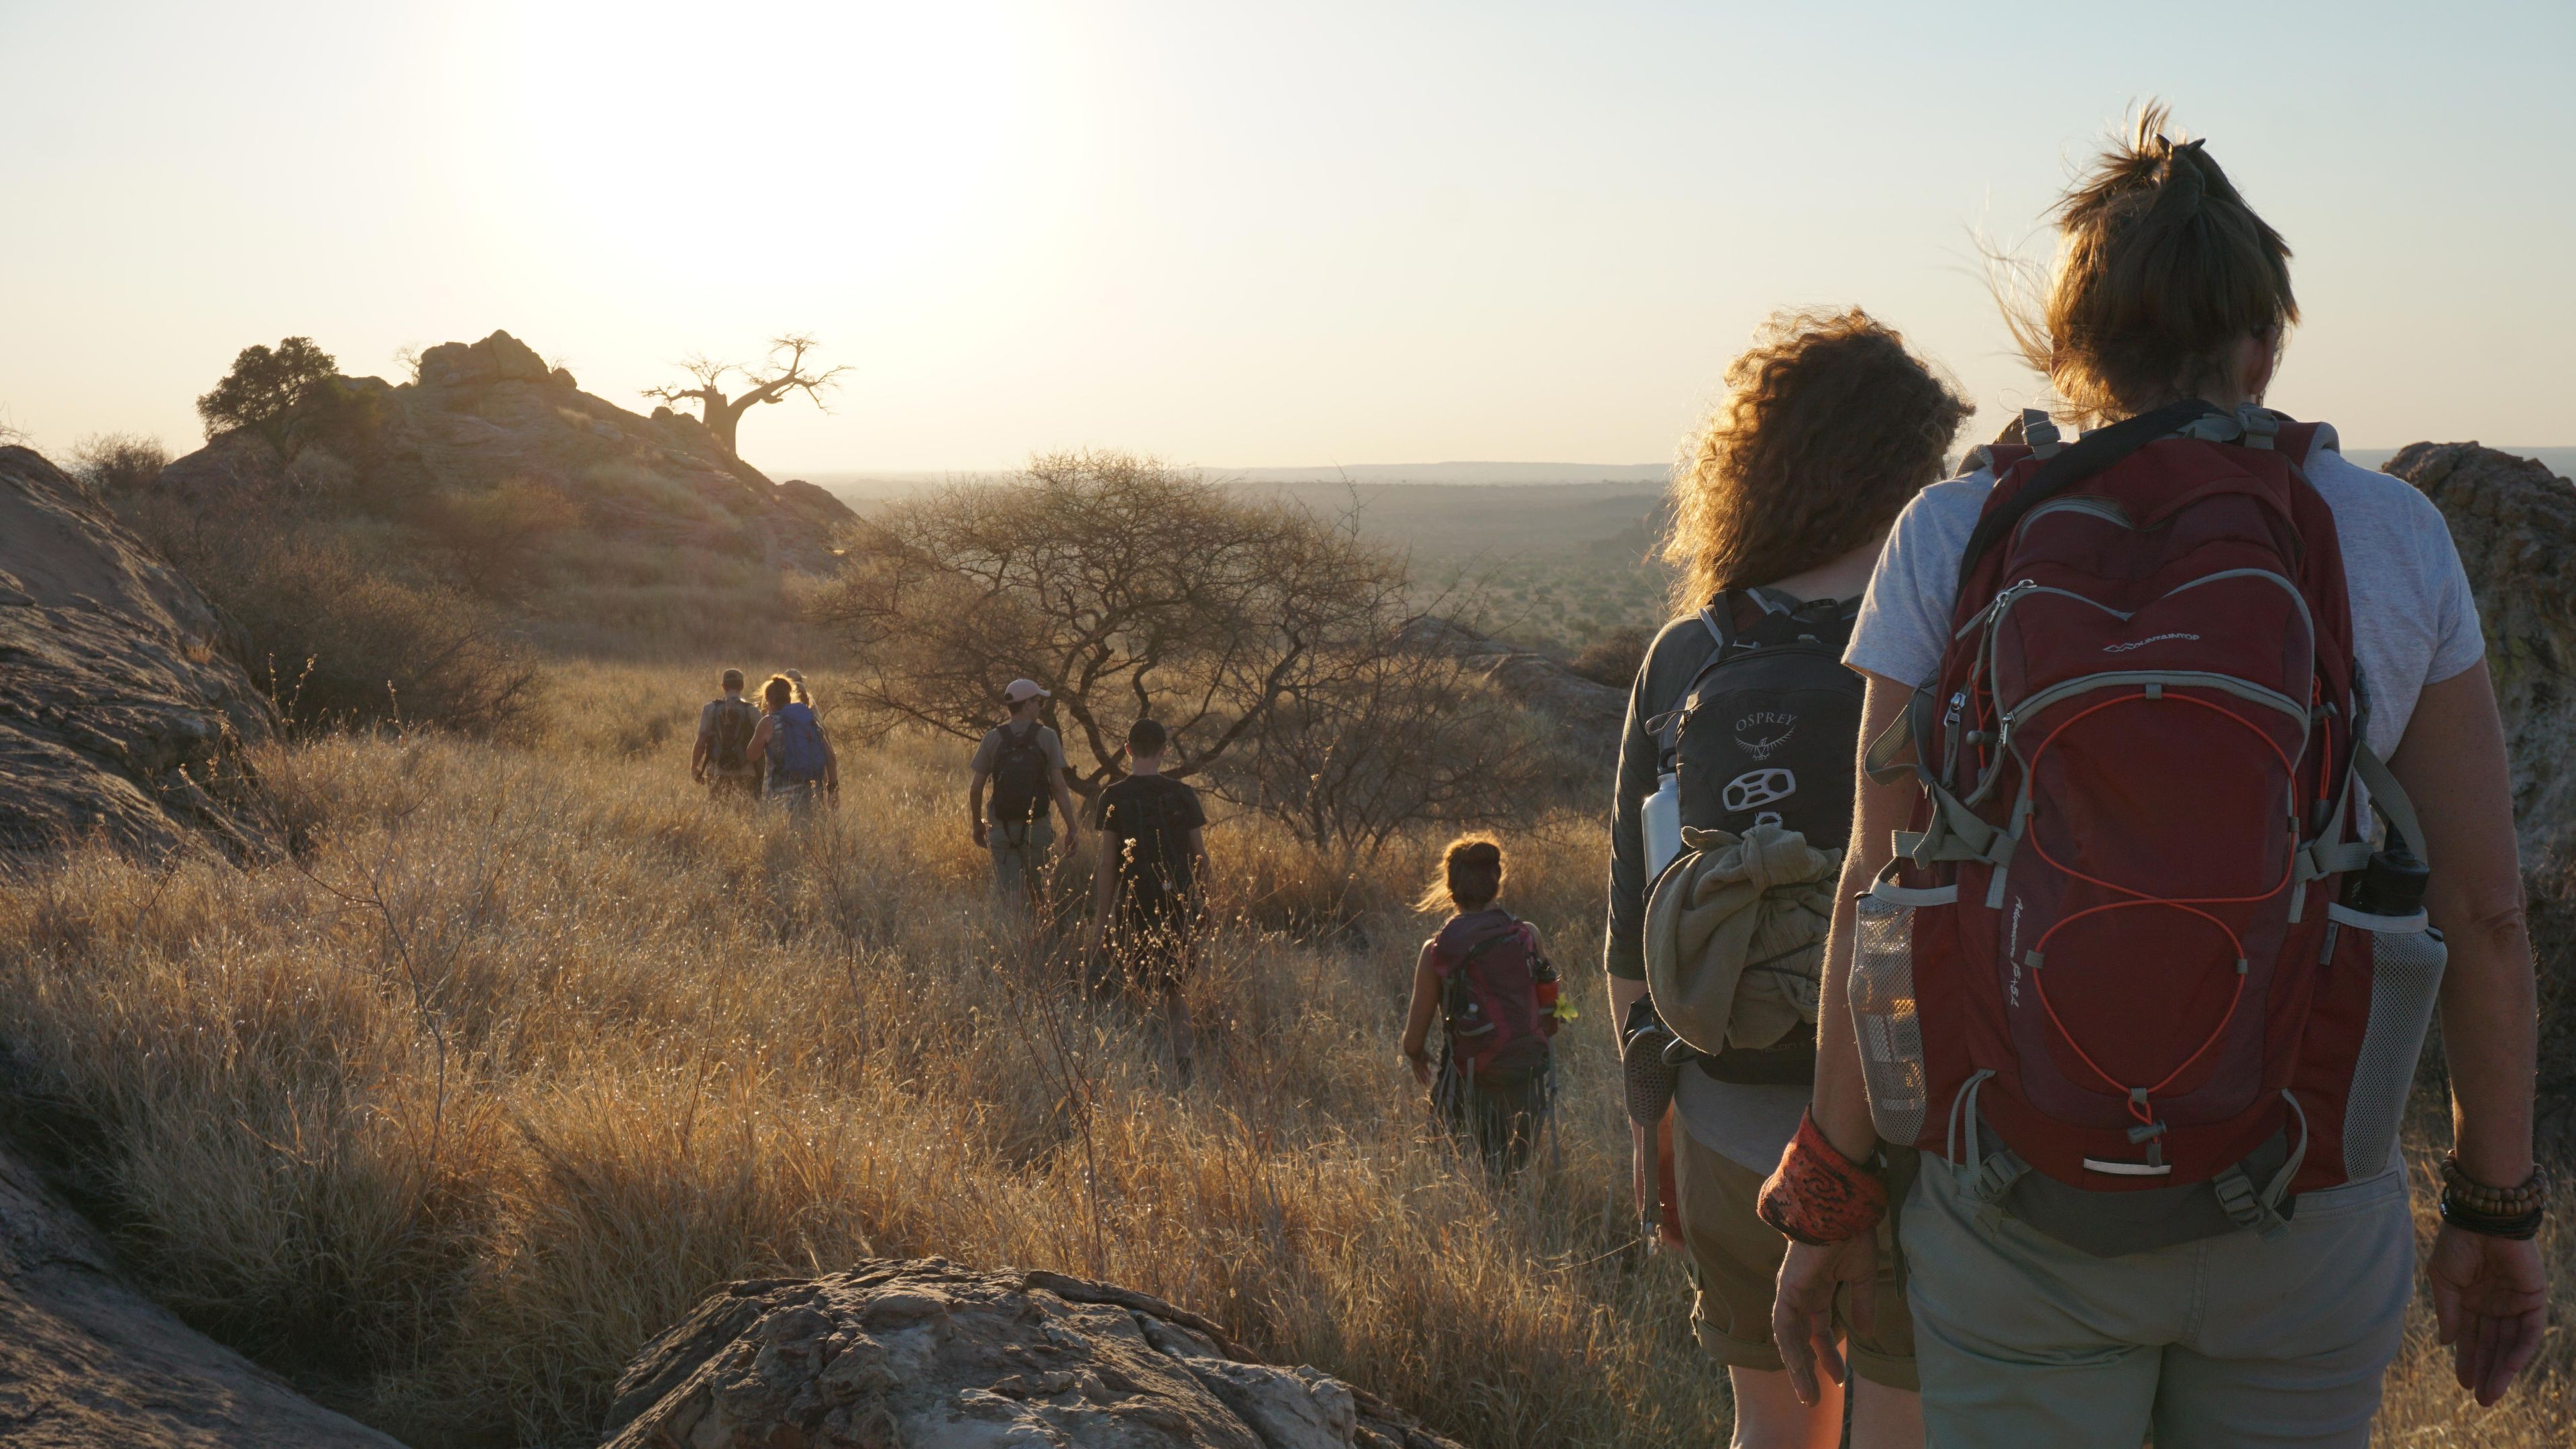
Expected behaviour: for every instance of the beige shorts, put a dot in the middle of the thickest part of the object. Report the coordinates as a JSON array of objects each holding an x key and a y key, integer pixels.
[{"x": 1735, "y": 1262}]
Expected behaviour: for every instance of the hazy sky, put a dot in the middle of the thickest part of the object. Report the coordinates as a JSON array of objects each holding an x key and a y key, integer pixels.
[{"x": 1238, "y": 234}]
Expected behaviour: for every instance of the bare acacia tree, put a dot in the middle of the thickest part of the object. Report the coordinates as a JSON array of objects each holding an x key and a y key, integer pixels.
[
  {"x": 1124, "y": 586},
  {"x": 770, "y": 382}
]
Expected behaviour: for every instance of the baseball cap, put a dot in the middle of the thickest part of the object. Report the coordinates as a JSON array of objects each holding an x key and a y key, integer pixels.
[{"x": 1019, "y": 691}]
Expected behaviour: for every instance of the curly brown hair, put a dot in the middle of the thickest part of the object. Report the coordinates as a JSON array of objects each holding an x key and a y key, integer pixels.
[
  {"x": 1829, "y": 426},
  {"x": 2162, "y": 269}
]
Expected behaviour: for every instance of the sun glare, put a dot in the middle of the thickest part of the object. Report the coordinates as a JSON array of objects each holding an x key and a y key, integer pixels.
[{"x": 678, "y": 137}]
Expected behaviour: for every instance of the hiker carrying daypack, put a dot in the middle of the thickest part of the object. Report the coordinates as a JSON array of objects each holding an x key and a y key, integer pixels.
[
  {"x": 1761, "y": 739},
  {"x": 1486, "y": 978},
  {"x": 1020, "y": 779},
  {"x": 732, "y": 722},
  {"x": 2137, "y": 937}
]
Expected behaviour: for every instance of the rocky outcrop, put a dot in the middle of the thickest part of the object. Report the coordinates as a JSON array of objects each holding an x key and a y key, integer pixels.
[
  {"x": 924, "y": 1354},
  {"x": 86, "y": 1361},
  {"x": 493, "y": 413},
  {"x": 2514, "y": 523},
  {"x": 119, "y": 716}
]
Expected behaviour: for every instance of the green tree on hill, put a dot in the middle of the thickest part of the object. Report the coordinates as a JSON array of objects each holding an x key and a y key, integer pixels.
[{"x": 265, "y": 390}]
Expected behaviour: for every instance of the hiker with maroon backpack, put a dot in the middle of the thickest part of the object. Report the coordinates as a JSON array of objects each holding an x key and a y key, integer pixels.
[
  {"x": 2137, "y": 932},
  {"x": 1734, "y": 795},
  {"x": 1023, "y": 759},
  {"x": 1485, "y": 977}
]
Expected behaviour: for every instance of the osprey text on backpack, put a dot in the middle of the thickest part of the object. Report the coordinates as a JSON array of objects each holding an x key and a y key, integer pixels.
[{"x": 2135, "y": 972}]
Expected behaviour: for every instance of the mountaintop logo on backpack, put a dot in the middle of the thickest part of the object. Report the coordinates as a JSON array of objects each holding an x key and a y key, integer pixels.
[
  {"x": 2143, "y": 643},
  {"x": 1764, "y": 719}
]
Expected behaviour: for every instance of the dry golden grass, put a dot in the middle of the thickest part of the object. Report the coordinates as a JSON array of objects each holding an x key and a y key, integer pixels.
[{"x": 534, "y": 1045}]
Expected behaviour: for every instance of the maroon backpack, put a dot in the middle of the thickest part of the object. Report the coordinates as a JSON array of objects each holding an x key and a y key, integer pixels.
[
  {"x": 2135, "y": 965},
  {"x": 1489, "y": 995}
]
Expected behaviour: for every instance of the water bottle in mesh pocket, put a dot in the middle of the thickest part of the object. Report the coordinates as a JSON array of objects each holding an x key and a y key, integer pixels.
[
  {"x": 2406, "y": 964},
  {"x": 1882, "y": 1007}
]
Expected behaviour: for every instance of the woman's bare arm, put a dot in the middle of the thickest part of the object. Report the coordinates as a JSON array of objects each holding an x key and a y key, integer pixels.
[
  {"x": 1417, "y": 1016},
  {"x": 2490, "y": 1296}
]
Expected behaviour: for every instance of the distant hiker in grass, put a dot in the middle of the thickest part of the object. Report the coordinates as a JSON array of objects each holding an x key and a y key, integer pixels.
[
  {"x": 1734, "y": 798},
  {"x": 722, "y": 760},
  {"x": 1485, "y": 978},
  {"x": 2202, "y": 781},
  {"x": 1146, "y": 915},
  {"x": 791, "y": 746},
  {"x": 1023, "y": 760}
]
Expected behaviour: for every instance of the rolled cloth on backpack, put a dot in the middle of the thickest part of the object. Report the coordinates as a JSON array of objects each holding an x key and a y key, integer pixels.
[{"x": 1735, "y": 936}]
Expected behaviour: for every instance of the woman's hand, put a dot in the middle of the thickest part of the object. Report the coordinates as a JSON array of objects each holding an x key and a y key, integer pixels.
[
  {"x": 1802, "y": 1310},
  {"x": 1421, "y": 1064},
  {"x": 2490, "y": 1302}
]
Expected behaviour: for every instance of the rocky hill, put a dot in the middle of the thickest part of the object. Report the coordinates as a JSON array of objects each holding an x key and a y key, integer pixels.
[
  {"x": 119, "y": 714},
  {"x": 493, "y": 415}
]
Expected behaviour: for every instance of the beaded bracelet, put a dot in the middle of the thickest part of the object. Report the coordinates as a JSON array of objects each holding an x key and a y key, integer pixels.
[{"x": 2496, "y": 1212}]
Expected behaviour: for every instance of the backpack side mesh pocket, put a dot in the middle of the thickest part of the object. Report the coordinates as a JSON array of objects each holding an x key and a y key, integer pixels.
[{"x": 1882, "y": 1008}]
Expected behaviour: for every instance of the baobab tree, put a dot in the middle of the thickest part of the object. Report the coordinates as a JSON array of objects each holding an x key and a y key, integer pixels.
[{"x": 771, "y": 382}]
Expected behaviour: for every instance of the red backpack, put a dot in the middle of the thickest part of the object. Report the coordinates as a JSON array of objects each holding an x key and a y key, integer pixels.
[
  {"x": 2136, "y": 933},
  {"x": 1496, "y": 991}
]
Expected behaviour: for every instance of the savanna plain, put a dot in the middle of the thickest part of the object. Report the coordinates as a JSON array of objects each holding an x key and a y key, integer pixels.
[{"x": 529, "y": 1045}]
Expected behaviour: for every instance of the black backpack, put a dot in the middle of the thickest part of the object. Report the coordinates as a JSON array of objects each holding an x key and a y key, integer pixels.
[
  {"x": 1158, "y": 853},
  {"x": 1020, "y": 775},
  {"x": 735, "y": 720},
  {"x": 1767, "y": 733}
]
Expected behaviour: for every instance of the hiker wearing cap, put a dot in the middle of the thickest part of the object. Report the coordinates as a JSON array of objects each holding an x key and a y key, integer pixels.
[
  {"x": 2187, "y": 807},
  {"x": 1733, "y": 800},
  {"x": 1146, "y": 914},
  {"x": 1023, "y": 760},
  {"x": 1486, "y": 979},
  {"x": 792, "y": 751},
  {"x": 720, "y": 760}
]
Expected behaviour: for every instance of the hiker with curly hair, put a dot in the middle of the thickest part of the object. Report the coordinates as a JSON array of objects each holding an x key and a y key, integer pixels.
[
  {"x": 2186, "y": 809},
  {"x": 1733, "y": 798}
]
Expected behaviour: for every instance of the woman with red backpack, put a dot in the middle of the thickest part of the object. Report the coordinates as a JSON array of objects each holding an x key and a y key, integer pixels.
[
  {"x": 2119, "y": 944},
  {"x": 1486, "y": 977}
]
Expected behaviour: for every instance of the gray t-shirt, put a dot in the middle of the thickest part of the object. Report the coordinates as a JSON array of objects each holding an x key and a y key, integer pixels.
[{"x": 2413, "y": 620}]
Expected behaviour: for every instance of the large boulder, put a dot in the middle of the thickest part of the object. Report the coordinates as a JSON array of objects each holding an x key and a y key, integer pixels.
[
  {"x": 86, "y": 1361},
  {"x": 119, "y": 715},
  {"x": 2514, "y": 523},
  {"x": 490, "y": 414},
  {"x": 924, "y": 1354}
]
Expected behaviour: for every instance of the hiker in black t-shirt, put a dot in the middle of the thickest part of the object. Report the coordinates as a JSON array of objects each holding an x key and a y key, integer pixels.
[
  {"x": 1024, "y": 762},
  {"x": 1145, "y": 910}
]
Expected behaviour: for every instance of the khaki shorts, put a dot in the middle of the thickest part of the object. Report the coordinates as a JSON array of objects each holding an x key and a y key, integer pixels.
[
  {"x": 1019, "y": 856},
  {"x": 2226, "y": 1343},
  {"x": 1735, "y": 1263}
]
